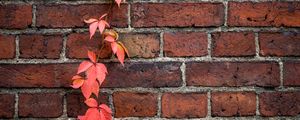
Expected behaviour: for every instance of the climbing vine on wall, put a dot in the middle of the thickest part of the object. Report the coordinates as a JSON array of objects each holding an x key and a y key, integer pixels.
[{"x": 92, "y": 73}]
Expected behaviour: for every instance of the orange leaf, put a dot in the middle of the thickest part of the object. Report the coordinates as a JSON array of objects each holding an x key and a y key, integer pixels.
[
  {"x": 76, "y": 77},
  {"x": 90, "y": 20},
  {"x": 120, "y": 54},
  {"x": 77, "y": 83},
  {"x": 92, "y": 56},
  {"x": 91, "y": 102},
  {"x": 125, "y": 49},
  {"x": 84, "y": 66},
  {"x": 110, "y": 39},
  {"x": 114, "y": 47},
  {"x": 91, "y": 75}
]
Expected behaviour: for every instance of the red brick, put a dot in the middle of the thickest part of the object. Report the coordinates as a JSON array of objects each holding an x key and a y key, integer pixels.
[
  {"x": 143, "y": 75},
  {"x": 40, "y": 105},
  {"x": 56, "y": 16},
  {"x": 184, "y": 44},
  {"x": 177, "y": 14},
  {"x": 233, "y": 44},
  {"x": 76, "y": 105},
  {"x": 7, "y": 46},
  {"x": 79, "y": 43},
  {"x": 15, "y": 16},
  {"x": 7, "y": 105},
  {"x": 184, "y": 105},
  {"x": 264, "y": 14},
  {"x": 279, "y": 104},
  {"x": 279, "y": 44},
  {"x": 232, "y": 74},
  {"x": 33, "y": 75},
  {"x": 40, "y": 46},
  {"x": 141, "y": 45},
  {"x": 291, "y": 74},
  {"x": 135, "y": 104},
  {"x": 232, "y": 104}
]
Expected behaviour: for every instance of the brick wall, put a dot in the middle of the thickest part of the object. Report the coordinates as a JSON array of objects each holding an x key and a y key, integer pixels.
[{"x": 189, "y": 59}]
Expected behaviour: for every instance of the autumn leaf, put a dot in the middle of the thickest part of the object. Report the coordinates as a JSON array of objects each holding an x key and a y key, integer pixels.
[
  {"x": 120, "y": 54},
  {"x": 77, "y": 81},
  {"x": 91, "y": 102},
  {"x": 118, "y": 2},
  {"x": 94, "y": 24},
  {"x": 105, "y": 112}
]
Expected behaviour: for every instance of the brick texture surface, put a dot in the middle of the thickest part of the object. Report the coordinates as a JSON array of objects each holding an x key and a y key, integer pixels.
[
  {"x": 233, "y": 74},
  {"x": 233, "y": 44},
  {"x": 7, "y": 105},
  {"x": 177, "y": 14},
  {"x": 15, "y": 16},
  {"x": 7, "y": 46},
  {"x": 279, "y": 103},
  {"x": 40, "y": 105},
  {"x": 264, "y": 14},
  {"x": 233, "y": 104},
  {"x": 190, "y": 105},
  {"x": 135, "y": 104},
  {"x": 188, "y": 59},
  {"x": 185, "y": 44}
]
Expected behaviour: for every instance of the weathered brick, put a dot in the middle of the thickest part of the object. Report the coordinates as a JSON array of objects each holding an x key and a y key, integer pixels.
[
  {"x": 40, "y": 105},
  {"x": 232, "y": 74},
  {"x": 264, "y": 14},
  {"x": 15, "y": 16},
  {"x": 76, "y": 105},
  {"x": 177, "y": 14},
  {"x": 232, "y": 104},
  {"x": 37, "y": 75},
  {"x": 135, "y": 104},
  {"x": 7, "y": 46},
  {"x": 279, "y": 44},
  {"x": 291, "y": 74},
  {"x": 184, "y": 105},
  {"x": 143, "y": 75},
  {"x": 141, "y": 45},
  {"x": 40, "y": 46},
  {"x": 233, "y": 44},
  {"x": 7, "y": 105},
  {"x": 57, "y": 16},
  {"x": 184, "y": 44},
  {"x": 279, "y": 104},
  {"x": 79, "y": 43}
]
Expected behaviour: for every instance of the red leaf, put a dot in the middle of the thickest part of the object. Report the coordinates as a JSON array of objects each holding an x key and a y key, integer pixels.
[
  {"x": 105, "y": 112},
  {"x": 120, "y": 54},
  {"x": 92, "y": 114},
  {"x": 110, "y": 39},
  {"x": 93, "y": 28},
  {"x": 101, "y": 72},
  {"x": 91, "y": 102},
  {"x": 92, "y": 56},
  {"x": 90, "y": 20},
  {"x": 91, "y": 75},
  {"x": 114, "y": 47},
  {"x": 105, "y": 108},
  {"x": 86, "y": 90},
  {"x": 95, "y": 89},
  {"x": 84, "y": 66},
  {"x": 77, "y": 83},
  {"x": 102, "y": 25},
  {"x": 103, "y": 16},
  {"x": 81, "y": 117},
  {"x": 118, "y": 2}
]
